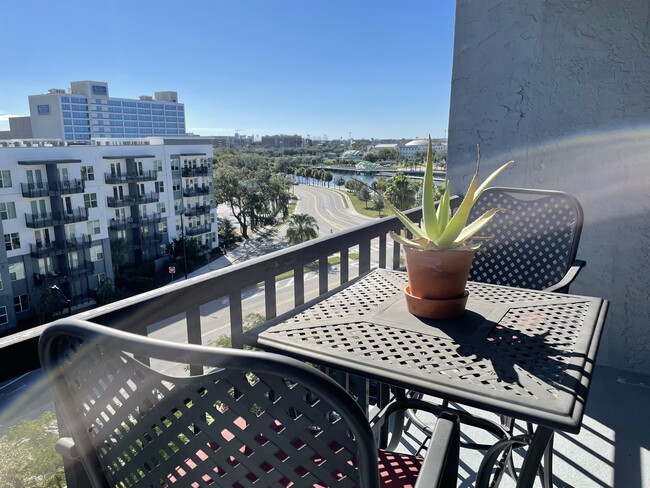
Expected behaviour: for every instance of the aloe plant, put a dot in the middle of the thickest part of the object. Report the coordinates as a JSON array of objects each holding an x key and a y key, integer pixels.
[{"x": 439, "y": 230}]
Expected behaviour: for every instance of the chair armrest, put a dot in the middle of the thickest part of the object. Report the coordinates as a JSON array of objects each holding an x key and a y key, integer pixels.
[
  {"x": 562, "y": 286},
  {"x": 440, "y": 466},
  {"x": 65, "y": 446}
]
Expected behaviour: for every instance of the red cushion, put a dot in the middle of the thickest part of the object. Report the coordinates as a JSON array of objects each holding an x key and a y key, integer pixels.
[{"x": 398, "y": 470}]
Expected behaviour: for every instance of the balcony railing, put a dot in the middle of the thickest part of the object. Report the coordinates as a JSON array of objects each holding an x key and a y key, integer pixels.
[
  {"x": 79, "y": 242},
  {"x": 52, "y": 188},
  {"x": 198, "y": 171},
  {"x": 44, "y": 249},
  {"x": 82, "y": 269},
  {"x": 136, "y": 314},
  {"x": 197, "y": 230},
  {"x": 198, "y": 210},
  {"x": 150, "y": 197},
  {"x": 115, "y": 179},
  {"x": 125, "y": 223},
  {"x": 126, "y": 201},
  {"x": 39, "y": 220},
  {"x": 196, "y": 191},
  {"x": 50, "y": 278},
  {"x": 80, "y": 214},
  {"x": 153, "y": 218}
]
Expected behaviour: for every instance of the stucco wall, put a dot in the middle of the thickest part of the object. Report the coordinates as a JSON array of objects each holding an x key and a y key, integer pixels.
[{"x": 563, "y": 87}]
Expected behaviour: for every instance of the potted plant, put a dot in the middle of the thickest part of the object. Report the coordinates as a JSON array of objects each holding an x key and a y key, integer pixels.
[{"x": 440, "y": 253}]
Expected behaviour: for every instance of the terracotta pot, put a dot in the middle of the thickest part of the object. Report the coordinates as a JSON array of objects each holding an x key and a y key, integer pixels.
[{"x": 438, "y": 275}]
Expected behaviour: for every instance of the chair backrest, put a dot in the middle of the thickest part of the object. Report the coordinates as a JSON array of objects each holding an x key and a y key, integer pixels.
[
  {"x": 532, "y": 243},
  {"x": 256, "y": 419}
]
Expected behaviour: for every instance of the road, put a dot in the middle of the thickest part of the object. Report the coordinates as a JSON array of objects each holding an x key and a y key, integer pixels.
[{"x": 332, "y": 214}]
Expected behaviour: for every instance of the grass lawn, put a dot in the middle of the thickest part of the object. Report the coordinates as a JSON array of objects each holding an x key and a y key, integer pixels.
[{"x": 360, "y": 206}]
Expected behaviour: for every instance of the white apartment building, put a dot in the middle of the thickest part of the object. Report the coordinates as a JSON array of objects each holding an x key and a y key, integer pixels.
[
  {"x": 61, "y": 206},
  {"x": 86, "y": 111}
]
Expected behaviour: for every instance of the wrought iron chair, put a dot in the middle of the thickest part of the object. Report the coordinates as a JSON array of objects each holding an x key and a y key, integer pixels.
[
  {"x": 532, "y": 243},
  {"x": 254, "y": 420}
]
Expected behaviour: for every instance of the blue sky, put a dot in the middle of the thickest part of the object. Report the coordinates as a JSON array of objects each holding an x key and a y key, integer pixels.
[{"x": 377, "y": 68}]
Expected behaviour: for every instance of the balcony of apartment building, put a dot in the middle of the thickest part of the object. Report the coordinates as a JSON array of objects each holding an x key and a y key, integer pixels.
[
  {"x": 52, "y": 277},
  {"x": 81, "y": 269},
  {"x": 36, "y": 190},
  {"x": 39, "y": 220},
  {"x": 122, "y": 223},
  {"x": 68, "y": 187},
  {"x": 198, "y": 210},
  {"x": 202, "y": 170},
  {"x": 150, "y": 197},
  {"x": 75, "y": 243},
  {"x": 45, "y": 249},
  {"x": 152, "y": 218},
  {"x": 117, "y": 202},
  {"x": 131, "y": 177},
  {"x": 197, "y": 230},
  {"x": 70, "y": 216},
  {"x": 195, "y": 191}
]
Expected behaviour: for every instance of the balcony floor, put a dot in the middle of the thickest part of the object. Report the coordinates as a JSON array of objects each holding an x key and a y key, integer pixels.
[{"x": 612, "y": 449}]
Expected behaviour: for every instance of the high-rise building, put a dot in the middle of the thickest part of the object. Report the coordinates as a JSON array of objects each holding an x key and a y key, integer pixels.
[
  {"x": 64, "y": 205},
  {"x": 86, "y": 111}
]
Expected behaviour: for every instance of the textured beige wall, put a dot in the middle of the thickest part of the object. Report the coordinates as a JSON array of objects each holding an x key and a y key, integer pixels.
[{"x": 563, "y": 87}]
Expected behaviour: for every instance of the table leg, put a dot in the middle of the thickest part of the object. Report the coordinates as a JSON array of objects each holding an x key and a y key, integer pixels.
[{"x": 540, "y": 447}]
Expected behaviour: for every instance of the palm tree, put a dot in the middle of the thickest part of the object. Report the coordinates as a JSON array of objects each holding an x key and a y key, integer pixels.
[{"x": 302, "y": 227}]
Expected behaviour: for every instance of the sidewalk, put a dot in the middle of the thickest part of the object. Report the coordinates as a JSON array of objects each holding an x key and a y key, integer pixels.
[{"x": 263, "y": 241}]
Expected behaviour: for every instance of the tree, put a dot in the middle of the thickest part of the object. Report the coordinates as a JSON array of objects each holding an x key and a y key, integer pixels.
[
  {"x": 400, "y": 192},
  {"x": 353, "y": 185},
  {"x": 49, "y": 303},
  {"x": 118, "y": 254},
  {"x": 339, "y": 181},
  {"x": 28, "y": 455},
  {"x": 105, "y": 291},
  {"x": 378, "y": 203},
  {"x": 371, "y": 156},
  {"x": 182, "y": 249},
  {"x": 302, "y": 228},
  {"x": 227, "y": 234},
  {"x": 364, "y": 195}
]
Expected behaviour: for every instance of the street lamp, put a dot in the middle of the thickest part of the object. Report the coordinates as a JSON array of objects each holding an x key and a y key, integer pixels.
[{"x": 67, "y": 300}]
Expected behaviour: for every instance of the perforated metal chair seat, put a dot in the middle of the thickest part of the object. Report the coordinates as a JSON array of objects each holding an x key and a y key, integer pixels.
[{"x": 255, "y": 420}]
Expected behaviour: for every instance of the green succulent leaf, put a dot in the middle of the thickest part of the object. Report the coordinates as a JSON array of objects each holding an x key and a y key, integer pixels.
[
  {"x": 431, "y": 226},
  {"x": 472, "y": 229}
]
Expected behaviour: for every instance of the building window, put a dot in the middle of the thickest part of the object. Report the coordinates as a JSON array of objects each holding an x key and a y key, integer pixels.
[
  {"x": 43, "y": 109},
  {"x": 17, "y": 271},
  {"x": 7, "y": 210},
  {"x": 21, "y": 303},
  {"x": 12, "y": 241},
  {"x": 96, "y": 253},
  {"x": 5, "y": 179},
  {"x": 161, "y": 207},
  {"x": 93, "y": 227},
  {"x": 90, "y": 200},
  {"x": 177, "y": 185},
  {"x": 176, "y": 164},
  {"x": 88, "y": 173},
  {"x": 3, "y": 315},
  {"x": 162, "y": 227},
  {"x": 160, "y": 186},
  {"x": 157, "y": 165}
]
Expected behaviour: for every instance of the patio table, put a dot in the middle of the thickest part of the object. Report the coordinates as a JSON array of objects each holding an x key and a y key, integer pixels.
[{"x": 520, "y": 353}]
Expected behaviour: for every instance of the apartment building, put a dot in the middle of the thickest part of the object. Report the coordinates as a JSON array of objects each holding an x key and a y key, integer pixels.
[
  {"x": 86, "y": 111},
  {"x": 62, "y": 204}
]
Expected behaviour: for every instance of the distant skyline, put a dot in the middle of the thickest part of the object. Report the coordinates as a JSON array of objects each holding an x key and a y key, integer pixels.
[{"x": 369, "y": 69}]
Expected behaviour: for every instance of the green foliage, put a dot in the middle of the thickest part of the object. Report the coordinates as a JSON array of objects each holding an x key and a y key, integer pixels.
[
  {"x": 182, "y": 249},
  {"x": 227, "y": 235},
  {"x": 118, "y": 254},
  {"x": 250, "y": 321},
  {"x": 49, "y": 303},
  {"x": 439, "y": 230},
  {"x": 28, "y": 456},
  {"x": 301, "y": 228},
  {"x": 364, "y": 195},
  {"x": 400, "y": 191},
  {"x": 106, "y": 291}
]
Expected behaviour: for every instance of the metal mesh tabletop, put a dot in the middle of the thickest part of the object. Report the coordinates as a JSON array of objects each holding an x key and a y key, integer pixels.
[{"x": 522, "y": 353}]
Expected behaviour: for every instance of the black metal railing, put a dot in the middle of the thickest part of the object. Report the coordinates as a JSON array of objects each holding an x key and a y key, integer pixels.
[
  {"x": 153, "y": 218},
  {"x": 52, "y": 188},
  {"x": 125, "y": 223},
  {"x": 198, "y": 210},
  {"x": 150, "y": 197},
  {"x": 196, "y": 191},
  {"x": 125, "y": 201},
  {"x": 79, "y": 214},
  {"x": 44, "y": 249},
  {"x": 197, "y": 171},
  {"x": 36, "y": 190},
  {"x": 197, "y": 230},
  {"x": 136, "y": 314},
  {"x": 39, "y": 220},
  {"x": 139, "y": 176}
]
